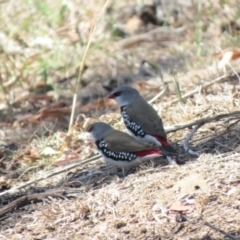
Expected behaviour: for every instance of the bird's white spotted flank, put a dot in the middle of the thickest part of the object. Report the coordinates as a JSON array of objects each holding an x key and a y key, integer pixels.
[{"x": 117, "y": 156}]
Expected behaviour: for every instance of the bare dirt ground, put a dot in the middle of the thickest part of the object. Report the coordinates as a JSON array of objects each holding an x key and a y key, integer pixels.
[{"x": 189, "y": 49}]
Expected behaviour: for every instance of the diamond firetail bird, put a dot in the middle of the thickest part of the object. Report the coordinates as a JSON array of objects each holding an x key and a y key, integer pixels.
[
  {"x": 121, "y": 149},
  {"x": 140, "y": 118}
]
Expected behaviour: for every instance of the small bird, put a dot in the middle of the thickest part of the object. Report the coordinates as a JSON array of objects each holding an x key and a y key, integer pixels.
[
  {"x": 121, "y": 149},
  {"x": 140, "y": 118}
]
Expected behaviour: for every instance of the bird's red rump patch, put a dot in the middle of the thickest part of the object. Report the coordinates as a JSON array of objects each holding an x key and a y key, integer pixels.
[
  {"x": 162, "y": 140},
  {"x": 147, "y": 152}
]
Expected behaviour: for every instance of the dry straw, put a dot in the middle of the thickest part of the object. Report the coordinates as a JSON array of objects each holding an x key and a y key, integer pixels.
[{"x": 81, "y": 67}]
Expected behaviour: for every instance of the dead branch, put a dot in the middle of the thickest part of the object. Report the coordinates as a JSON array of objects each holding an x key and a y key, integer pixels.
[
  {"x": 211, "y": 226},
  {"x": 30, "y": 198},
  {"x": 220, "y": 230},
  {"x": 48, "y": 175},
  {"x": 202, "y": 121}
]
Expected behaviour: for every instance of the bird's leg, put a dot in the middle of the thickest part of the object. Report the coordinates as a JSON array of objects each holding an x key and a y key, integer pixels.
[
  {"x": 123, "y": 172},
  {"x": 169, "y": 159},
  {"x": 126, "y": 171}
]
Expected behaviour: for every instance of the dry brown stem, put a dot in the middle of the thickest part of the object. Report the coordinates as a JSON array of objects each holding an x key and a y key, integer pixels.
[
  {"x": 202, "y": 121},
  {"x": 48, "y": 175},
  {"x": 196, "y": 90},
  {"x": 221, "y": 231},
  {"x": 30, "y": 198}
]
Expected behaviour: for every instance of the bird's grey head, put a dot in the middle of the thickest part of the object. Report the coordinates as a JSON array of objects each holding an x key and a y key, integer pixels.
[
  {"x": 124, "y": 95},
  {"x": 98, "y": 130}
]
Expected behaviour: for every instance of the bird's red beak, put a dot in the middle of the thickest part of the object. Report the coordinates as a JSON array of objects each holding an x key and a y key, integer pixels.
[{"x": 111, "y": 96}]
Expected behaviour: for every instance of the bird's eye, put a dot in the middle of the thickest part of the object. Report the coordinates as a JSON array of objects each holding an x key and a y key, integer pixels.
[
  {"x": 116, "y": 94},
  {"x": 90, "y": 129}
]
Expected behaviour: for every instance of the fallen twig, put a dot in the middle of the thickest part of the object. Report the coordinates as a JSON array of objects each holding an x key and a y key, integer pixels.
[
  {"x": 28, "y": 169},
  {"x": 196, "y": 90},
  {"x": 30, "y": 198},
  {"x": 202, "y": 121},
  {"x": 50, "y": 174},
  {"x": 220, "y": 230},
  {"x": 211, "y": 226},
  {"x": 157, "y": 96}
]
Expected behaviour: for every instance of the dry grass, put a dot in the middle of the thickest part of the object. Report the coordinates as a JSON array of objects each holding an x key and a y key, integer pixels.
[
  {"x": 138, "y": 207},
  {"x": 148, "y": 203}
]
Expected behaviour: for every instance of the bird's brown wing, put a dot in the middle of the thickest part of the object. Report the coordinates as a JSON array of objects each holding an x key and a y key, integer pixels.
[
  {"x": 146, "y": 117},
  {"x": 118, "y": 141}
]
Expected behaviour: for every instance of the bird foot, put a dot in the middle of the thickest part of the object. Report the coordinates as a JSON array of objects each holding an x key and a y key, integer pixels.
[
  {"x": 191, "y": 152},
  {"x": 126, "y": 171},
  {"x": 169, "y": 159}
]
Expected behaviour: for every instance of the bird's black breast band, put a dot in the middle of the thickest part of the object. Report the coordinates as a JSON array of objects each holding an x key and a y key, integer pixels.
[{"x": 131, "y": 126}]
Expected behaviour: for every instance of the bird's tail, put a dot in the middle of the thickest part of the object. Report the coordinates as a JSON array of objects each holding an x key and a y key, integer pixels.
[{"x": 167, "y": 148}]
